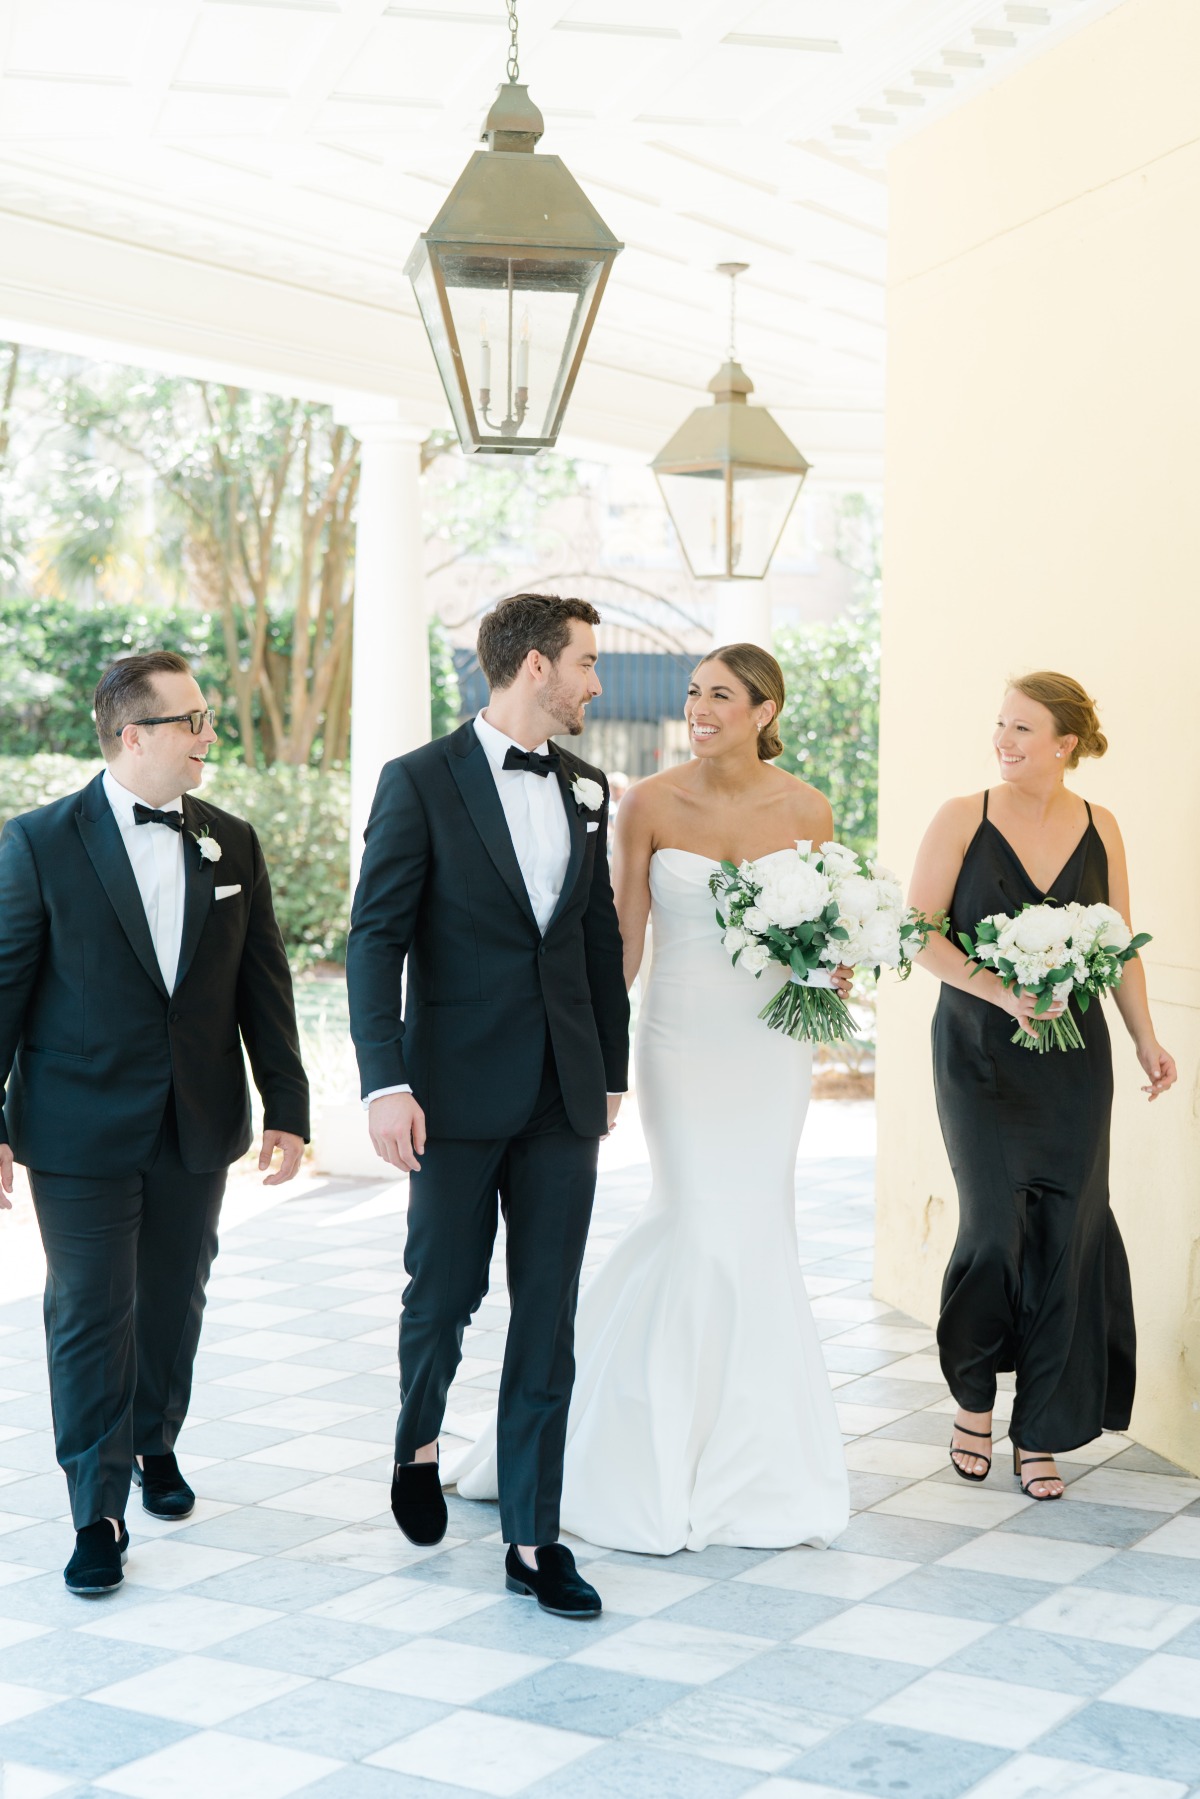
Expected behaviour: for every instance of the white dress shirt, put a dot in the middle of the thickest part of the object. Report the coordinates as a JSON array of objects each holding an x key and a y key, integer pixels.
[
  {"x": 537, "y": 823},
  {"x": 156, "y": 855}
]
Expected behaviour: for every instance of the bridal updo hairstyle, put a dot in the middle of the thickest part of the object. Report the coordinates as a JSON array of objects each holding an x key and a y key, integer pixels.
[
  {"x": 524, "y": 622},
  {"x": 1072, "y": 709},
  {"x": 762, "y": 677}
]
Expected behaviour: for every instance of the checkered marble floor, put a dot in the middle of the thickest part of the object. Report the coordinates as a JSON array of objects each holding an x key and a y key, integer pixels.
[{"x": 285, "y": 1639}]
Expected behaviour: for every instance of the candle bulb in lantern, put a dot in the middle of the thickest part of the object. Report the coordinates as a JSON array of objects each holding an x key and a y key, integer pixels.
[
  {"x": 523, "y": 354},
  {"x": 485, "y": 356}
]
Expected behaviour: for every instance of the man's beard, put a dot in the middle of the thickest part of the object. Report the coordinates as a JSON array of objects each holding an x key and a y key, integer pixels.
[{"x": 567, "y": 715}]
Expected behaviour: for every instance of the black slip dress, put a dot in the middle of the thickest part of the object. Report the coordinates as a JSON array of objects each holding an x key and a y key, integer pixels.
[{"x": 1038, "y": 1280}]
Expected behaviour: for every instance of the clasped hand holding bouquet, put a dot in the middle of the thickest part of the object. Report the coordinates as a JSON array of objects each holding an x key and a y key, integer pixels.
[
  {"x": 811, "y": 911},
  {"x": 1058, "y": 954}
]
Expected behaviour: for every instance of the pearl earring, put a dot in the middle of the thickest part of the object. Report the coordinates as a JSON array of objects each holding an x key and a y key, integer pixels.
[{"x": 1058, "y": 753}]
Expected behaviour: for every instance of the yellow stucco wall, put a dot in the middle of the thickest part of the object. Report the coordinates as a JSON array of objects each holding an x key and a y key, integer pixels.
[{"x": 1042, "y": 509}]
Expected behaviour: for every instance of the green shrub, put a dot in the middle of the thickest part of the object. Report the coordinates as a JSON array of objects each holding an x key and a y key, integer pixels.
[{"x": 303, "y": 822}]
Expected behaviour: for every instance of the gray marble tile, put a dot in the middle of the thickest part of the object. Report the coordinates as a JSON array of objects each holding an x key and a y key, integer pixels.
[
  {"x": 339, "y": 1720},
  {"x": 1035, "y": 1658},
  {"x": 340, "y": 1326},
  {"x": 1144, "y": 1461},
  {"x": 907, "y": 1539},
  {"x": 571, "y": 1696},
  {"x": 227, "y": 1440},
  {"x": 379, "y": 1392},
  {"x": 211, "y": 1401},
  {"x": 623, "y": 1771},
  {"x": 1174, "y": 1577},
  {"x": 527, "y": 1630},
  {"x": 37, "y": 1545},
  {"x": 878, "y": 1389},
  {"x": 477, "y": 1565},
  {"x": 45, "y": 1600},
  {"x": 68, "y": 1662},
  {"x": 1117, "y": 1526},
  {"x": 867, "y": 1490},
  {"x": 279, "y": 1585},
  {"x": 86, "y": 1740},
  {"x": 719, "y": 1561},
  {"x": 919, "y": 1427},
  {"x": 751, "y": 1611},
  {"x": 470, "y": 1518},
  {"x": 320, "y": 1647},
  {"x": 257, "y": 1531},
  {"x": 34, "y": 1453},
  {"x": 961, "y": 1593},
  {"x": 886, "y": 1760},
  {"x": 1188, "y": 1641},
  {"x": 351, "y": 1356},
  {"x": 1130, "y": 1739},
  {"x": 246, "y": 1483},
  {"x": 40, "y": 1496},
  {"x": 823, "y": 1681}
]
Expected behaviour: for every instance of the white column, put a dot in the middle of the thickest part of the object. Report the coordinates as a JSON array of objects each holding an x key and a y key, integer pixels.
[
  {"x": 389, "y": 705},
  {"x": 743, "y": 613}
]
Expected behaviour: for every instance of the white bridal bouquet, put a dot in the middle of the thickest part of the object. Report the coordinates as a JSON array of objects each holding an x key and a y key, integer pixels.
[
  {"x": 1060, "y": 953},
  {"x": 811, "y": 911}
]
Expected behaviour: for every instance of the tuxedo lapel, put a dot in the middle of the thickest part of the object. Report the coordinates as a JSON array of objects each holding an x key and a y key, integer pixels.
[
  {"x": 577, "y": 826},
  {"x": 101, "y": 836},
  {"x": 472, "y": 773},
  {"x": 197, "y": 887}
]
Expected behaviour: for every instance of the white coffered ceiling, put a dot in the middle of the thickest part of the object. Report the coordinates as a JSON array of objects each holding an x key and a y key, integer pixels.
[{"x": 302, "y": 144}]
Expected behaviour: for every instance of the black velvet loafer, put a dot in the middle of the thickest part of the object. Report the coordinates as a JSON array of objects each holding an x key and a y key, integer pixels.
[
  {"x": 418, "y": 1503},
  {"x": 96, "y": 1565},
  {"x": 165, "y": 1493},
  {"x": 557, "y": 1584}
]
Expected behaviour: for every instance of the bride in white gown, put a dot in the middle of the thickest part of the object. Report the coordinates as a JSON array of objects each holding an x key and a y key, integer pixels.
[{"x": 702, "y": 1411}]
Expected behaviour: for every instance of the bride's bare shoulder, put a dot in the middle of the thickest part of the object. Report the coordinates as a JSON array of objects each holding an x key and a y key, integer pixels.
[{"x": 807, "y": 805}]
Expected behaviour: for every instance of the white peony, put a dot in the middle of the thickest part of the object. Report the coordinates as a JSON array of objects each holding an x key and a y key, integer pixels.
[
  {"x": 588, "y": 793},
  {"x": 1111, "y": 931},
  {"x": 856, "y": 897},
  {"x": 793, "y": 891},
  {"x": 1039, "y": 930},
  {"x": 889, "y": 895},
  {"x": 881, "y": 935},
  {"x": 756, "y": 958},
  {"x": 838, "y": 859},
  {"x": 755, "y": 919}
]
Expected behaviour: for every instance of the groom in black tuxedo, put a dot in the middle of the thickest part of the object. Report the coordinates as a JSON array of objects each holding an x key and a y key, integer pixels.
[
  {"x": 138, "y": 951},
  {"x": 486, "y": 872}
]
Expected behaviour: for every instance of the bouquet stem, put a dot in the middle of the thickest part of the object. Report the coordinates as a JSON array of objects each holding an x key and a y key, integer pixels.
[
  {"x": 1052, "y": 1033},
  {"x": 808, "y": 1014}
]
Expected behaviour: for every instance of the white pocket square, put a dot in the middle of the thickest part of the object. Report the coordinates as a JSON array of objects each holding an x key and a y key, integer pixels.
[
  {"x": 227, "y": 892},
  {"x": 594, "y": 827}
]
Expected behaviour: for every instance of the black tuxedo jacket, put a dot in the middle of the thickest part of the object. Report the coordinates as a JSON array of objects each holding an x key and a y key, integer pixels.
[
  {"x": 91, "y": 1042},
  {"x": 441, "y": 887}
]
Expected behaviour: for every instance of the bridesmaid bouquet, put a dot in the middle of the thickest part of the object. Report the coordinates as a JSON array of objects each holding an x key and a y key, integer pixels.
[
  {"x": 809, "y": 912},
  {"x": 1059, "y": 953}
]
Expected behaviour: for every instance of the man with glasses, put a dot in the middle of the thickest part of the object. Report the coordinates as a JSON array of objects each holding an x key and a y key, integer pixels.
[{"x": 138, "y": 952}]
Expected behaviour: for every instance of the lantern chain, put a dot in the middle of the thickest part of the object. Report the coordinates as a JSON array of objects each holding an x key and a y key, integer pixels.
[{"x": 514, "y": 67}]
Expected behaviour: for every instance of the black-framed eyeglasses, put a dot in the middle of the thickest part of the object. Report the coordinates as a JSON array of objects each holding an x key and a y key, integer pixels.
[{"x": 195, "y": 721}]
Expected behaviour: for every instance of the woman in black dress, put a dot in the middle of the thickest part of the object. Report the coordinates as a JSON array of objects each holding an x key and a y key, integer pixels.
[{"x": 1038, "y": 1281}]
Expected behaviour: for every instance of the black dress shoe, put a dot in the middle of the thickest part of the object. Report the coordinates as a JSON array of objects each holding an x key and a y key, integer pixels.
[
  {"x": 557, "y": 1584},
  {"x": 164, "y": 1490},
  {"x": 418, "y": 1503},
  {"x": 96, "y": 1564}
]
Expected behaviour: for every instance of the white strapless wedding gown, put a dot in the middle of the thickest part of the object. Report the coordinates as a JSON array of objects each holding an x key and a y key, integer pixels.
[{"x": 702, "y": 1411}]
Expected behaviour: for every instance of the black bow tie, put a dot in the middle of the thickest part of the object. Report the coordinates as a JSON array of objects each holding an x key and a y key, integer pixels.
[
  {"x": 146, "y": 815},
  {"x": 531, "y": 762}
]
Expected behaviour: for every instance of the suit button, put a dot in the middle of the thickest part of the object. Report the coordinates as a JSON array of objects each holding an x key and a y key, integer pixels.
[
  {"x": 541, "y": 949},
  {"x": 172, "y": 1018}
]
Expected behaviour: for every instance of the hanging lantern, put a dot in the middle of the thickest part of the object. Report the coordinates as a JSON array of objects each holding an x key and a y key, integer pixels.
[
  {"x": 508, "y": 279},
  {"x": 730, "y": 475}
]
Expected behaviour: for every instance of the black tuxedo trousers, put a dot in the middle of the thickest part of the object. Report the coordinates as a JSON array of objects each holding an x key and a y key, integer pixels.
[{"x": 127, "y": 1259}]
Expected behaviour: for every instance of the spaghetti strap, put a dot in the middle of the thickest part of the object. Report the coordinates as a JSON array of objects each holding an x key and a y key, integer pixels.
[
  {"x": 985, "y": 801},
  {"x": 1091, "y": 820}
]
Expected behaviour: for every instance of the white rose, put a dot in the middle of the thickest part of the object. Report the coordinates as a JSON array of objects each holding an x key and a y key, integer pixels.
[
  {"x": 856, "y": 897},
  {"x": 838, "y": 859},
  {"x": 755, "y": 919},
  {"x": 734, "y": 940},
  {"x": 793, "y": 892},
  {"x": 209, "y": 848},
  {"x": 1111, "y": 931},
  {"x": 589, "y": 794},
  {"x": 756, "y": 958}
]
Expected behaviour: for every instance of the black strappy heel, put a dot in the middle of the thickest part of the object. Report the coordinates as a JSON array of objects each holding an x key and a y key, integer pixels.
[
  {"x": 986, "y": 1435},
  {"x": 1021, "y": 1461}
]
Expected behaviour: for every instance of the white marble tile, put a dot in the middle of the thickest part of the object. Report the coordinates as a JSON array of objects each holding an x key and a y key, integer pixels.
[
  {"x": 286, "y": 1378},
  {"x": 640, "y": 1592},
  {"x": 198, "y": 1689},
  {"x": 368, "y": 1548},
  {"x": 907, "y": 1339},
  {"x": 16, "y": 1630},
  {"x": 369, "y": 1280},
  {"x": 255, "y": 1314},
  {"x": 1127, "y": 1618},
  {"x": 181, "y": 1624},
  {"x": 891, "y": 1455},
  {"x": 24, "y": 1782},
  {"x": 412, "y": 1607},
  {"x": 337, "y": 1496},
  {"x": 1043, "y": 1777},
  {"x": 999, "y": 1713},
  {"x": 657, "y": 1650},
  {"x": 1163, "y": 1683},
  {"x": 300, "y": 1415},
  {"x": 212, "y": 1762},
  {"x": 819, "y": 1286},
  {"x": 373, "y": 1305},
  {"x": 19, "y": 1702},
  {"x": 938, "y": 1503},
  {"x": 858, "y": 1420},
  {"x": 854, "y": 1311},
  {"x": 1124, "y": 1486},
  {"x": 755, "y": 1733},
  {"x": 266, "y": 1345},
  {"x": 435, "y": 1668},
  {"x": 486, "y": 1754},
  {"x": 167, "y": 1566},
  {"x": 316, "y": 1454},
  {"x": 925, "y": 1368},
  {"x": 895, "y": 1635},
  {"x": 840, "y": 1574},
  {"x": 1053, "y": 1559},
  {"x": 1180, "y": 1537},
  {"x": 797, "y": 1789},
  {"x": 240, "y": 1286}
]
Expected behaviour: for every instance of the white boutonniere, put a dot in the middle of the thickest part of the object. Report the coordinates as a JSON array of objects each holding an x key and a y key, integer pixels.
[
  {"x": 589, "y": 795},
  {"x": 210, "y": 849}
]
